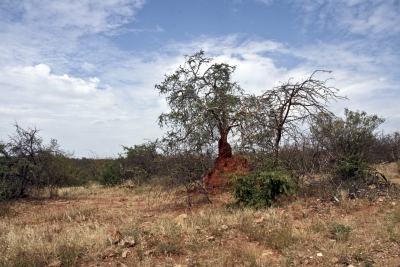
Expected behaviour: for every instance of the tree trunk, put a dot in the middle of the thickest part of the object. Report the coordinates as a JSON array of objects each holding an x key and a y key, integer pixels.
[{"x": 224, "y": 148}]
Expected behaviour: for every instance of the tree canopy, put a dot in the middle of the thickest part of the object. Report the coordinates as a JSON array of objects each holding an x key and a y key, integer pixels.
[{"x": 205, "y": 104}]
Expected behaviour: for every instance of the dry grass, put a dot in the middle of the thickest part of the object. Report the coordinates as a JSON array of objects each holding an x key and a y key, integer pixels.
[{"x": 95, "y": 226}]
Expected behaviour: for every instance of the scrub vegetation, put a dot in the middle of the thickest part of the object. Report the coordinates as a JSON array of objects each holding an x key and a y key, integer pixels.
[{"x": 274, "y": 179}]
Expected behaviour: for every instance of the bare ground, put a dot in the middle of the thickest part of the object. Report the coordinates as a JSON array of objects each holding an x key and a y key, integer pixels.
[{"x": 131, "y": 227}]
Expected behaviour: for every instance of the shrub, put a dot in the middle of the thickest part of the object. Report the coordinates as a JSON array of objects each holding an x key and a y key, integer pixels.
[
  {"x": 110, "y": 174},
  {"x": 260, "y": 189},
  {"x": 340, "y": 232},
  {"x": 350, "y": 166}
]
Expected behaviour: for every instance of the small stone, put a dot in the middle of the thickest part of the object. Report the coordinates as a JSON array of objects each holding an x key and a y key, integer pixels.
[
  {"x": 334, "y": 260},
  {"x": 260, "y": 220},
  {"x": 224, "y": 227},
  {"x": 393, "y": 203},
  {"x": 129, "y": 242},
  {"x": 125, "y": 253},
  {"x": 351, "y": 265},
  {"x": 114, "y": 237},
  {"x": 319, "y": 254},
  {"x": 109, "y": 253},
  {"x": 380, "y": 199},
  {"x": 267, "y": 253},
  {"x": 372, "y": 186}
]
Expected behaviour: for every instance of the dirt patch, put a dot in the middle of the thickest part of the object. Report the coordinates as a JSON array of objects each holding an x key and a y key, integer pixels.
[{"x": 218, "y": 177}]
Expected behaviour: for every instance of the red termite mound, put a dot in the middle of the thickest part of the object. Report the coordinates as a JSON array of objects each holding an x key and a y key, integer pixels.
[{"x": 216, "y": 179}]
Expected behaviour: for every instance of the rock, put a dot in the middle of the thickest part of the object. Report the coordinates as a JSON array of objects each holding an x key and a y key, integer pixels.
[
  {"x": 114, "y": 237},
  {"x": 334, "y": 260},
  {"x": 380, "y": 199},
  {"x": 129, "y": 242},
  {"x": 351, "y": 265},
  {"x": 319, "y": 254},
  {"x": 180, "y": 219},
  {"x": 125, "y": 253},
  {"x": 393, "y": 203},
  {"x": 267, "y": 253},
  {"x": 224, "y": 227},
  {"x": 372, "y": 186},
  {"x": 109, "y": 253},
  {"x": 260, "y": 220}
]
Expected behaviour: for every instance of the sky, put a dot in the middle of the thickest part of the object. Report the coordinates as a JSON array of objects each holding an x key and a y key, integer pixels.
[{"x": 83, "y": 71}]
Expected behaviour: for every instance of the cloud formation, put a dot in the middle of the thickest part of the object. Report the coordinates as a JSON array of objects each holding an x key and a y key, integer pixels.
[{"x": 61, "y": 70}]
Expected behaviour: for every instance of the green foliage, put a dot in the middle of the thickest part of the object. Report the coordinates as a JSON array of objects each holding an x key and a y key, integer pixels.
[
  {"x": 352, "y": 136},
  {"x": 110, "y": 174},
  {"x": 260, "y": 189},
  {"x": 205, "y": 104},
  {"x": 340, "y": 232},
  {"x": 361, "y": 254},
  {"x": 139, "y": 162},
  {"x": 25, "y": 162},
  {"x": 351, "y": 166}
]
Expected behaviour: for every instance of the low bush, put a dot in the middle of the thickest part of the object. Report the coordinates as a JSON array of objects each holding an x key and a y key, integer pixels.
[
  {"x": 260, "y": 189},
  {"x": 350, "y": 167},
  {"x": 110, "y": 174},
  {"x": 340, "y": 232}
]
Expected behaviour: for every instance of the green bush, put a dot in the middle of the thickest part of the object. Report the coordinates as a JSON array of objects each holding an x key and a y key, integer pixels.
[
  {"x": 340, "y": 232},
  {"x": 351, "y": 166},
  {"x": 260, "y": 189},
  {"x": 110, "y": 174}
]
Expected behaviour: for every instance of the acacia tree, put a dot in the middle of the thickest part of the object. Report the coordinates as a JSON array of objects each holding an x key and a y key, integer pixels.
[
  {"x": 281, "y": 112},
  {"x": 26, "y": 162},
  {"x": 205, "y": 104},
  {"x": 354, "y": 135}
]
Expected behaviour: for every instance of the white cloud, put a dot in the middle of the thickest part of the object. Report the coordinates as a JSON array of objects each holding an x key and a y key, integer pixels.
[
  {"x": 59, "y": 74},
  {"x": 368, "y": 79},
  {"x": 267, "y": 2},
  {"x": 375, "y": 19}
]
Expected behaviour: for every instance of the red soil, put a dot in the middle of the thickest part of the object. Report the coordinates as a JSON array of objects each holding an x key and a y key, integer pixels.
[{"x": 216, "y": 179}]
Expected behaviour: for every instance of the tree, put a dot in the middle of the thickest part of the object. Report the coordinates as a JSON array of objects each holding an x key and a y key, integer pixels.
[
  {"x": 205, "y": 104},
  {"x": 352, "y": 136},
  {"x": 280, "y": 113},
  {"x": 26, "y": 162}
]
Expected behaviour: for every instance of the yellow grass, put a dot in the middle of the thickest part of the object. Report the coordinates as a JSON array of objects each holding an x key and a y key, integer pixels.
[{"x": 90, "y": 227}]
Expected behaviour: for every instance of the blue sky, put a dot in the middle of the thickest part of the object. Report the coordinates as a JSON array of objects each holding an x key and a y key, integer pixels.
[{"x": 83, "y": 71}]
